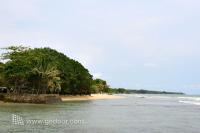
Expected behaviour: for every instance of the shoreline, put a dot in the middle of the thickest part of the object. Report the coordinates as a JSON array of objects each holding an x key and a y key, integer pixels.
[
  {"x": 92, "y": 97},
  {"x": 65, "y": 98}
]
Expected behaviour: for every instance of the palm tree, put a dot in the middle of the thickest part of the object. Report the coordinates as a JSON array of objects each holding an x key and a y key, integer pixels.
[{"x": 49, "y": 77}]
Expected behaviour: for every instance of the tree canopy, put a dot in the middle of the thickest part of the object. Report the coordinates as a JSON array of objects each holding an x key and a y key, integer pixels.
[
  {"x": 100, "y": 86},
  {"x": 44, "y": 70}
]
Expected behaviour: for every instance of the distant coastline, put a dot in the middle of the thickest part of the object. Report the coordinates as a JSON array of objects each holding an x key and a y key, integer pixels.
[{"x": 142, "y": 91}]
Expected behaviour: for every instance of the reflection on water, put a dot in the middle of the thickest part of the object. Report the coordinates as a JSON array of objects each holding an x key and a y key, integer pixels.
[{"x": 136, "y": 113}]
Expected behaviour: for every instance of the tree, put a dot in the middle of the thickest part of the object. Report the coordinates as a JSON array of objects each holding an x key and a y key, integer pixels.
[
  {"x": 48, "y": 76},
  {"x": 16, "y": 68},
  {"x": 2, "y": 80},
  {"x": 100, "y": 86},
  {"x": 44, "y": 70}
]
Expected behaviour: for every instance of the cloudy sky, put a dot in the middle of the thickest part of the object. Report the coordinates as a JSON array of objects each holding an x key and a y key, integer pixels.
[{"x": 136, "y": 44}]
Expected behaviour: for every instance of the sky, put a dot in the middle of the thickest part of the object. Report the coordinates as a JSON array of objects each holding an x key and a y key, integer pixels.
[{"x": 134, "y": 44}]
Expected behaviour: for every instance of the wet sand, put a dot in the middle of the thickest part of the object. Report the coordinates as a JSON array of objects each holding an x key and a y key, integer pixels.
[{"x": 92, "y": 97}]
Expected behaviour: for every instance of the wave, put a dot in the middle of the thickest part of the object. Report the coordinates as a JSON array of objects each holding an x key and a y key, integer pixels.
[
  {"x": 189, "y": 102},
  {"x": 190, "y": 98}
]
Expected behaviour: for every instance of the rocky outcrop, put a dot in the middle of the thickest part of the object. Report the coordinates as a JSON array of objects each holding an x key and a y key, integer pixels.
[{"x": 32, "y": 98}]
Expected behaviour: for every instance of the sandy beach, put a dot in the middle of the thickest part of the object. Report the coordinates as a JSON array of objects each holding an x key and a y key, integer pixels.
[{"x": 92, "y": 97}]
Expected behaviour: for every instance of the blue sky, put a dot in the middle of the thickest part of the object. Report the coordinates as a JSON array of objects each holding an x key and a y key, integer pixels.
[{"x": 136, "y": 44}]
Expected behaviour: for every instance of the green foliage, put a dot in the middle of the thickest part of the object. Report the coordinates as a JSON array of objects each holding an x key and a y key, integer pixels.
[
  {"x": 100, "y": 86},
  {"x": 48, "y": 75},
  {"x": 2, "y": 81},
  {"x": 44, "y": 70}
]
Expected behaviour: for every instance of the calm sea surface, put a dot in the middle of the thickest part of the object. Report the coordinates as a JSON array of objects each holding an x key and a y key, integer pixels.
[{"x": 133, "y": 114}]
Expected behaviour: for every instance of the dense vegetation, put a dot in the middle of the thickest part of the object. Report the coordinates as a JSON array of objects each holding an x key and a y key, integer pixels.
[
  {"x": 100, "y": 86},
  {"x": 43, "y": 70},
  {"x": 2, "y": 82}
]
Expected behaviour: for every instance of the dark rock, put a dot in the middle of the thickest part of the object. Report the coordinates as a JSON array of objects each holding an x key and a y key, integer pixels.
[{"x": 32, "y": 98}]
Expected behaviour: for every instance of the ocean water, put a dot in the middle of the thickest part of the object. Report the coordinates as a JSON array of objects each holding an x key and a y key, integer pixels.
[{"x": 133, "y": 114}]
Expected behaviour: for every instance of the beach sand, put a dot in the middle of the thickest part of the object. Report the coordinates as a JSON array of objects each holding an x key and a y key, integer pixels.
[{"x": 92, "y": 97}]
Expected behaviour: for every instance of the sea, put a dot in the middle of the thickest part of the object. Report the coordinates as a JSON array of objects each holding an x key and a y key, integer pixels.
[{"x": 134, "y": 113}]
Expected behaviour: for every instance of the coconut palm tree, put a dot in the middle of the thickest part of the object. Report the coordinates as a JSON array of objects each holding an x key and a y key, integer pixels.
[{"x": 49, "y": 77}]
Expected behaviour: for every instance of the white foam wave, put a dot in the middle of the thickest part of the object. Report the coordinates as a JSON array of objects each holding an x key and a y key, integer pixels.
[
  {"x": 190, "y": 102},
  {"x": 190, "y": 98}
]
